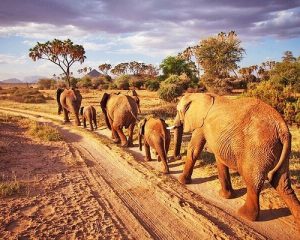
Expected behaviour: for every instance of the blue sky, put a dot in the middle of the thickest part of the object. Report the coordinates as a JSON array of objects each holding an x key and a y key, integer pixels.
[{"x": 115, "y": 31}]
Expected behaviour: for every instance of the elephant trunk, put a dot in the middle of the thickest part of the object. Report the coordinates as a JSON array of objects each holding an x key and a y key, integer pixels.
[
  {"x": 177, "y": 140},
  {"x": 75, "y": 110}
]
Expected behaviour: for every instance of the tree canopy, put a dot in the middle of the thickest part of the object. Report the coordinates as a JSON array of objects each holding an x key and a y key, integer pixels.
[
  {"x": 177, "y": 65},
  {"x": 219, "y": 55},
  {"x": 62, "y": 53}
]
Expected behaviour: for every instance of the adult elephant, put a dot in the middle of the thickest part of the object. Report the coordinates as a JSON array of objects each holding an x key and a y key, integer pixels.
[
  {"x": 244, "y": 134},
  {"x": 120, "y": 111},
  {"x": 69, "y": 101}
]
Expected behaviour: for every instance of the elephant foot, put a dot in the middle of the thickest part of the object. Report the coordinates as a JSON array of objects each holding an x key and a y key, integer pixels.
[
  {"x": 248, "y": 213},
  {"x": 166, "y": 171},
  {"x": 184, "y": 180},
  {"x": 177, "y": 157},
  {"x": 130, "y": 144},
  {"x": 115, "y": 140},
  {"x": 226, "y": 194},
  {"x": 147, "y": 159},
  {"x": 124, "y": 144}
]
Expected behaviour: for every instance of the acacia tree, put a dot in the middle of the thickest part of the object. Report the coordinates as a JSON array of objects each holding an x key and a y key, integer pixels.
[
  {"x": 219, "y": 55},
  {"x": 104, "y": 68},
  {"x": 62, "y": 53}
]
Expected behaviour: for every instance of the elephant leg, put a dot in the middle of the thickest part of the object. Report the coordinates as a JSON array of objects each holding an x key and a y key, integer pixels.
[
  {"x": 95, "y": 122},
  {"x": 66, "y": 115},
  {"x": 282, "y": 183},
  {"x": 194, "y": 149},
  {"x": 84, "y": 123},
  {"x": 162, "y": 155},
  {"x": 114, "y": 135},
  {"x": 130, "y": 136},
  {"x": 91, "y": 124},
  {"x": 122, "y": 136},
  {"x": 147, "y": 151},
  {"x": 250, "y": 210},
  {"x": 224, "y": 178}
]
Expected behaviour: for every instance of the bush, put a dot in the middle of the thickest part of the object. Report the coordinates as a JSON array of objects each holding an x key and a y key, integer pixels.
[
  {"x": 85, "y": 82},
  {"x": 218, "y": 86},
  {"x": 122, "y": 82},
  {"x": 136, "y": 82},
  {"x": 171, "y": 88},
  {"x": 283, "y": 99},
  {"x": 27, "y": 95},
  {"x": 152, "y": 85},
  {"x": 46, "y": 83},
  {"x": 169, "y": 92}
]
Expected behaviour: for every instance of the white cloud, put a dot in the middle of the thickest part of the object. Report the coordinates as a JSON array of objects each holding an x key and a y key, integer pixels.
[{"x": 10, "y": 59}]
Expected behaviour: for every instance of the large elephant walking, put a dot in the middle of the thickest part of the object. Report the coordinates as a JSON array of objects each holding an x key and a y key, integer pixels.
[
  {"x": 69, "y": 101},
  {"x": 244, "y": 134},
  {"x": 120, "y": 111}
]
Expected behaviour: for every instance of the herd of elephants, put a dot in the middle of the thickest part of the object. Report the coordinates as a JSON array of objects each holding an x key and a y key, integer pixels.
[{"x": 244, "y": 134}]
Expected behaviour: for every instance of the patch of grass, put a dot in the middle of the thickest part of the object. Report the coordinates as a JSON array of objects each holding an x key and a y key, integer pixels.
[
  {"x": 10, "y": 188},
  {"x": 44, "y": 131}
]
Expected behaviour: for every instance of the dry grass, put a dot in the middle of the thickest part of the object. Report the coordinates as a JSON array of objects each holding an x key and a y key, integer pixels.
[
  {"x": 22, "y": 95},
  {"x": 9, "y": 186},
  {"x": 43, "y": 131}
]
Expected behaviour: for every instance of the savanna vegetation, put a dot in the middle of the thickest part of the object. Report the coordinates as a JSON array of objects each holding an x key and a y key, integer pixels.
[{"x": 211, "y": 65}]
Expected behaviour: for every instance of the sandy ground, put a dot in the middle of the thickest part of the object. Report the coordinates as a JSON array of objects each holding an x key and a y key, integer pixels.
[{"x": 84, "y": 189}]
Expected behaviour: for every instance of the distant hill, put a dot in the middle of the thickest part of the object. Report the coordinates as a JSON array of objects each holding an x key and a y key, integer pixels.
[
  {"x": 32, "y": 79},
  {"x": 94, "y": 73},
  {"x": 11, "y": 80}
]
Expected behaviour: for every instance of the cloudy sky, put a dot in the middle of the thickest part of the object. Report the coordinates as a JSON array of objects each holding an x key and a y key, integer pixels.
[{"x": 114, "y": 31}]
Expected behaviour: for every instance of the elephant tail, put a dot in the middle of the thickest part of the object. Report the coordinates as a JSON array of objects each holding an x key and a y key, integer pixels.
[
  {"x": 285, "y": 153},
  {"x": 58, "y": 93}
]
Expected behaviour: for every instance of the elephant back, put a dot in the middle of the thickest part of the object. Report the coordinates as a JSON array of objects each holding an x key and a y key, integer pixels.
[{"x": 122, "y": 109}]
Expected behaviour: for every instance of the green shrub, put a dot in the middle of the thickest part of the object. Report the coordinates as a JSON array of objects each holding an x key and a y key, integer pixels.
[
  {"x": 85, "y": 82},
  {"x": 152, "y": 85},
  {"x": 122, "y": 82},
  {"x": 169, "y": 92},
  {"x": 171, "y": 88},
  {"x": 136, "y": 82}
]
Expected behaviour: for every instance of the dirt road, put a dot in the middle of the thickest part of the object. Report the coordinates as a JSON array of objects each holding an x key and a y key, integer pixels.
[{"x": 109, "y": 193}]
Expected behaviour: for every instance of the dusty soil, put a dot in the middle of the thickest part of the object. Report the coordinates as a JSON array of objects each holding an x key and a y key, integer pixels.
[{"x": 86, "y": 187}]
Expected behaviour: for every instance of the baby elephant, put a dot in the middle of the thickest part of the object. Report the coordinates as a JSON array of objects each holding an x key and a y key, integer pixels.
[
  {"x": 89, "y": 114},
  {"x": 157, "y": 137}
]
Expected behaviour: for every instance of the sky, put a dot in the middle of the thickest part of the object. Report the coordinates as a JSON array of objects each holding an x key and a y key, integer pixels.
[{"x": 114, "y": 31}]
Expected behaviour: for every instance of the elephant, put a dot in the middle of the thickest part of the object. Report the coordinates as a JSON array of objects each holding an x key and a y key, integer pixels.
[
  {"x": 155, "y": 134},
  {"x": 120, "y": 111},
  {"x": 89, "y": 114},
  {"x": 244, "y": 134},
  {"x": 69, "y": 101}
]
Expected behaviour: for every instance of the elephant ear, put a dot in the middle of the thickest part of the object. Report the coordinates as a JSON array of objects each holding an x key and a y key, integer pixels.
[
  {"x": 103, "y": 104},
  {"x": 195, "y": 110}
]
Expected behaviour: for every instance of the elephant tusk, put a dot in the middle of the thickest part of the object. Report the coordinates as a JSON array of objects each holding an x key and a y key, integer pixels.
[{"x": 170, "y": 128}]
